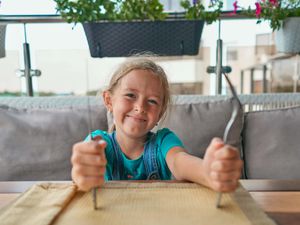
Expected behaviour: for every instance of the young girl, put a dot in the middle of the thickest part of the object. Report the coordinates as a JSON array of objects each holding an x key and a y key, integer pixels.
[{"x": 137, "y": 97}]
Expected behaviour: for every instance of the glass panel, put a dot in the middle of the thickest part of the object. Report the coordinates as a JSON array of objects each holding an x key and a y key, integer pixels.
[{"x": 60, "y": 52}]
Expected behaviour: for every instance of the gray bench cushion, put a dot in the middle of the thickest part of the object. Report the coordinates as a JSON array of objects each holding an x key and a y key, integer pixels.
[
  {"x": 36, "y": 143},
  {"x": 271, "y": 144}
]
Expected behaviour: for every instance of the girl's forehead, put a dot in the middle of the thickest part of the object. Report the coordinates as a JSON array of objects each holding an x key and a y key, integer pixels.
[
  {"x": 141, "y": 73},
  {"x": 141, "y": 80},
  {"x": 140, "y": 76}
]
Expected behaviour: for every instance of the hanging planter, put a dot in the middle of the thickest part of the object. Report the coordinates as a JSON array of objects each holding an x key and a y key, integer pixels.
[
  {"x": 2, "y": 40},
  {"x": 164, "y": 38},
  {"x": 287, "y": 38},
  {"x": 125, "y": 27}
]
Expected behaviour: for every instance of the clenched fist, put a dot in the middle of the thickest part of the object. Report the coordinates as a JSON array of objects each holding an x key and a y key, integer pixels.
[
  {"x": 89, "y": 163},
  {"x": 222, "y": 165}
]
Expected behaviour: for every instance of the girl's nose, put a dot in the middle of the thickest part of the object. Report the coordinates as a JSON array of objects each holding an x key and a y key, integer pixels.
[{"x": 140, "y": 108}]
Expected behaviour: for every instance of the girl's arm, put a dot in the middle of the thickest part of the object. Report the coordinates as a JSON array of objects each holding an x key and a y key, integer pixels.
[{"x": 220, "y": 169}]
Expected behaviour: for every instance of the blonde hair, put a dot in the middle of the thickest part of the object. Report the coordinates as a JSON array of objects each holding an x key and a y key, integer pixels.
[{"x": 142, "y": 63}]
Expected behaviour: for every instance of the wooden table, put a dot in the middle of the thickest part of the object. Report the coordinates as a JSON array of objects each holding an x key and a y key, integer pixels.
[{"x": 280, "y": 199}]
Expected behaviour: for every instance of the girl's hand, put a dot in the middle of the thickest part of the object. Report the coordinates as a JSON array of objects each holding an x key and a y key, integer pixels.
[
  {"x": 89, "y": 162},
  {"x": 222, "y": 165}
]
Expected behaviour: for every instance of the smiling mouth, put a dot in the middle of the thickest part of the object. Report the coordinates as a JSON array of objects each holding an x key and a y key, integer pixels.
[{"x": 137, "y": 118}]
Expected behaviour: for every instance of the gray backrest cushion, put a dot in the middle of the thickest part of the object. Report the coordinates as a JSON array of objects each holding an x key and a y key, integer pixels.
[
  {"x": 197, "y": 121},
  {"x": 36, "y": 143},
  {"x": 271, "y": 144}
]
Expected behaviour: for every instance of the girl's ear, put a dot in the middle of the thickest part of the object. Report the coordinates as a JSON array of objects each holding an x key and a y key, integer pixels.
[{"x": 107, "y": 100}]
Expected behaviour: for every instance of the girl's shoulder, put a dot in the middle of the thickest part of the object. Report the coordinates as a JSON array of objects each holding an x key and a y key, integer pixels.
[
  {"x": 102, "y": 133},
  {"x": 166, "y": 140},
  {"x": 164, "y": 133},
  {"x": 99, "y": 132}
]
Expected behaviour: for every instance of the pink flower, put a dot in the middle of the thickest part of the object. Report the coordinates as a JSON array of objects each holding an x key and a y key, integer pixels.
[
  {"x": 258, "y": 9},
  {"x": 235, "y": 7},
  {"x": 274, "y": 2}
]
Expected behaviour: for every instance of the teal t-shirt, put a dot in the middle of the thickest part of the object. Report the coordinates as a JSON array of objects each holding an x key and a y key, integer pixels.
[{"x": 135, "y": 169}]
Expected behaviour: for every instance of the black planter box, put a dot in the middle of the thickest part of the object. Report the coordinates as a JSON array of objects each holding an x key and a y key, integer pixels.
[{"x": 165, "y": 38}]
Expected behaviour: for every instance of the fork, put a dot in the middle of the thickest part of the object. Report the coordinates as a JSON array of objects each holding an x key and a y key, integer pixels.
[{"x": 236, "y": 106}]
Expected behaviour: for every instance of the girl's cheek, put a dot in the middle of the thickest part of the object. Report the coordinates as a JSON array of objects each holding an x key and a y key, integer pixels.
[
  {"x": 156, "y": 112},
  {"x": 125, "y": 101}
]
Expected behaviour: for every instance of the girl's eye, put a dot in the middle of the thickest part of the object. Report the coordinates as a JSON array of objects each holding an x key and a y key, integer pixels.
[
  {"x": 152, "y": 101},
  {"x": 130, "y": 95}
]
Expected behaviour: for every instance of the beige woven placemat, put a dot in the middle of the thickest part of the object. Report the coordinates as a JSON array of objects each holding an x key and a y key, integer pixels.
[
  {"x": 39, "y": 205},
  {"x": 142, "y": 204},
  {"x": 161, "y": 203}
]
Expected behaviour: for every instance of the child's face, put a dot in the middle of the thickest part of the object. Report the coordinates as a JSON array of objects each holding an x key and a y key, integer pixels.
[{"x": 136, "y": 103}]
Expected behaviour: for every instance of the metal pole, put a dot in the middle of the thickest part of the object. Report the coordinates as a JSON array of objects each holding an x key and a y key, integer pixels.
[
  {"x": 252, "y": 80},
  {"x": 219, "y": 62},
  {"x": 242, "y": 81},
  {"x": 27, "y": 65}
]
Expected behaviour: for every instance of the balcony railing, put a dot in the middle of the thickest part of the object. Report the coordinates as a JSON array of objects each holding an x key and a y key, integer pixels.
[{"x": 54, "y": 18}]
